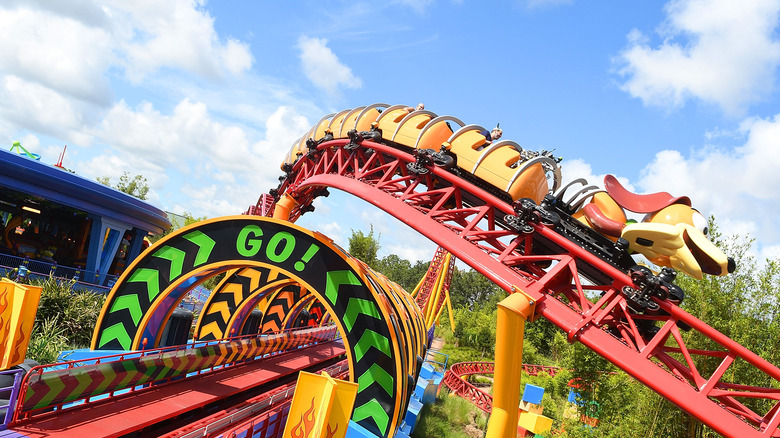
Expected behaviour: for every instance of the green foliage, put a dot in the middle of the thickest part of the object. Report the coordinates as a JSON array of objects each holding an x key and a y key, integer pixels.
[
  {"x": 476, "y": 330},
  {"x": 365, "y": 247},
  {"x": 402, "y": 271},
  {"x": 541, "y": 333},
  {"x": 742, "y": 305},
  {"x": 138, "y": 186},
  {"x": 65, "y": 319},
  {"x": 470, "y": 289},
  {"x": 46, "y": 342},
  {"x": 212, "y": 282},
  {"x": 178, "y": 221},
  {"x": 449, "y": 416}
]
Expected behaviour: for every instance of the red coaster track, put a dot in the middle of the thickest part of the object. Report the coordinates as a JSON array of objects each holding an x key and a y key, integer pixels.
[{"x": 452, "y": 209}]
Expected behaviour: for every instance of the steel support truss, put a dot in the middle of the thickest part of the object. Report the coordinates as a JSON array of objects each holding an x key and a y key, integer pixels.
[{"x": 473, "y": 222}]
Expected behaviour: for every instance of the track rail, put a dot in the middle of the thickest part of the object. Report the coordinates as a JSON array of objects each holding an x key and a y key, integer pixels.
[
  {"x": 457, "y": 213},
  {"x": 455, "y": 379}
]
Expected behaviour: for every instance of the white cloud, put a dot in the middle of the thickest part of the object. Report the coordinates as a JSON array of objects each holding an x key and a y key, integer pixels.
[
  {"x": 577, "y": 168},
  {"x": 188, "y": 153},
  {"x": 323, "y": 68},
  {"x": 737, "y": 186},
  {"x": 719, "y": 51},
  {"x": 177, "y": 34},
  {"x": 56, "y": 58},
  {"x": 56, "y": 52},
  {"x": 38, "y": 108}
]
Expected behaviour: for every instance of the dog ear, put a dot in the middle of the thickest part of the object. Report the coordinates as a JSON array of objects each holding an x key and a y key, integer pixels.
[{"x": 649, "y": 203}]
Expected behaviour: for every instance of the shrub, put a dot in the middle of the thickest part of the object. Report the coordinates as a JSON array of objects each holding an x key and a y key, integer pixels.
[{"x": 65, "y": 319}]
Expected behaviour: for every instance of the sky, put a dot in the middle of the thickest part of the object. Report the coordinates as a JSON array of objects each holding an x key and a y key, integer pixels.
[{"x": 204, "y": 98}]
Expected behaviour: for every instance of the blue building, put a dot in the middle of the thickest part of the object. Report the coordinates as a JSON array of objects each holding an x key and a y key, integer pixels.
[{"x": 56, "y": 221}]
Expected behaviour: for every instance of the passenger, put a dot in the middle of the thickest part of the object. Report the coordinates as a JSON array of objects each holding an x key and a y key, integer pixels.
[
  {"x": 420, "y": 107},
  {"x": 495, "y": 134}
]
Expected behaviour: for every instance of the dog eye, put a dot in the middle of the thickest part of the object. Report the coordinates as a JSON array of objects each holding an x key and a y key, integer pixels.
[{"x": 700, "y": 222}]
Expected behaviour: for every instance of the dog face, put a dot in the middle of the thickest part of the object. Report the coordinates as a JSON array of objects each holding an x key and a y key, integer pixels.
[{"x": 696, "y": 254}]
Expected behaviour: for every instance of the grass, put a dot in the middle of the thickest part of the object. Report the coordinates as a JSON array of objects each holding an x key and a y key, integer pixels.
[{"x": 449, "y": 416}]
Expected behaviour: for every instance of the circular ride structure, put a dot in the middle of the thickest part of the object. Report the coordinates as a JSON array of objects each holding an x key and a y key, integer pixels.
[
  {"x": 380, "y": 326},
  {"x": 489, "y": 205}
]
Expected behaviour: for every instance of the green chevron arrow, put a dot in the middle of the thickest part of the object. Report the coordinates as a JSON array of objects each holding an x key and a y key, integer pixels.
[
  {"x": 376, "y": 374},
  {"x": 129, "y": 302},
  {"x": 372, "y": 409},
  {"x": 357, "y": 306},
  {"x": 334, "y": 281},
  {"x": 84, "y": 380},
  {"x": 205, "y": 246},
  {"x": 149, "y": 367},
  {"x": 175, "y": 255},
  {"x": 118, "y": 332},
  {"x": 152, "y": 279},
  {"x": 130, "y": 373},
  {"x": 370, "y": 339},
  {"x": 55, "y": 388},
  {"x": 108, "y": 376}
]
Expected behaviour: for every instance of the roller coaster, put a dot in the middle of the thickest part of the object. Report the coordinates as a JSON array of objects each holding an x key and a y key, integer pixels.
[
  {"x": 453, "y": 187},
  {"x": 499, "y": 208}
]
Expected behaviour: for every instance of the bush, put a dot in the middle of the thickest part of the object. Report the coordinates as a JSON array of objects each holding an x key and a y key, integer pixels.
[
  {"x": 65, "y": 319},
  {"x": 46, "y": 342}
]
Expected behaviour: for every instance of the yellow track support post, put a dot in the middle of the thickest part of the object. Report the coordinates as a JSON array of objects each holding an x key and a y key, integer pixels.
[
  {"x": 433, "y": 299},
  {"x": 449, "y": 311},
  {"x": 284, "y": 207},
  {"x": 417, "y": 288},
  {"x": 513, "y": 312}
]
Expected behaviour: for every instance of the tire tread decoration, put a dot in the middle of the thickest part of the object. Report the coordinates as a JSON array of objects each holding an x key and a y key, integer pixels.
[{"x": 157, "y": 280}]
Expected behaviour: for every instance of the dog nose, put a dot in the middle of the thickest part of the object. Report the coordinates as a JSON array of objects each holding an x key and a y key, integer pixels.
[{"x": 732, "y": 265}]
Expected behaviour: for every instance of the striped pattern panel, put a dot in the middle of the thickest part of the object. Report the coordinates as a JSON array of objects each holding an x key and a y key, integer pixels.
[{"x": 52, "y": 388}]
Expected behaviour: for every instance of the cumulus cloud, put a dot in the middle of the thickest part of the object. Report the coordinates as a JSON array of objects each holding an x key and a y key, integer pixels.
[
  {"x": 56, "y": 52},
  {"x": 718, "y": 51},
  {"x": 177, "y": 34},
  {"x": 737, "y": 185},
  {"x": 56, "y": 58},
  {"x": 187, "y": 152},
  {"x": 323, "y": 68},
  {"x": 38, "y": 108}
]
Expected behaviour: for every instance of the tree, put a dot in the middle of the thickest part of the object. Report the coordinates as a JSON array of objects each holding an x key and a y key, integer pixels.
[
  {"x": 138, "y": 186},
  {"x": 402, "y": 271},
  {"x": 186, "y": 219},
  {"x": 472, "y": 290},
  {"x": 365, "y": 247}
]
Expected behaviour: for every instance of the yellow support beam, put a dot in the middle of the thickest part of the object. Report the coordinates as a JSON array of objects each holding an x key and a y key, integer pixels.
[
  {"x": 513, "y": 312},
  {"x": 433, "y": 299},
  {"x": 284, "y": 206},
  {"x": 449, "y": 311},
  {"x": 419, "y": 285}
]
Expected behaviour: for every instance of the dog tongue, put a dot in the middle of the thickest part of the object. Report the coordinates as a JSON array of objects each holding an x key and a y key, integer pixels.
[{"x": 649, "y": 203}]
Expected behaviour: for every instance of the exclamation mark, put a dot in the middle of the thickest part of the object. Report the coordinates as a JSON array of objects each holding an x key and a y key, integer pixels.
[{"x": 300, "y": 265}]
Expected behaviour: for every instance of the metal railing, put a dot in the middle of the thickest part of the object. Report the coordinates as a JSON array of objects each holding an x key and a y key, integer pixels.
[
  {"x": 39, "y": 268},
  {"x": 12, "y": 393},
  {"x": 302, "y": 337}
]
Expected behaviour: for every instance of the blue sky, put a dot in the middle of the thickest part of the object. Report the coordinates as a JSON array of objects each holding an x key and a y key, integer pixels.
[{"x": 204, "y": 98}]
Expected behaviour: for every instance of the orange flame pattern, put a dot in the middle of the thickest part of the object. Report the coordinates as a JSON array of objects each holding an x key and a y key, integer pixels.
[
  {"x": 304, "y": 427},
  {"x": 331, "y": 433},
  {"x": 20, "y": 344},
  {"x": 7, "y": 326}
]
